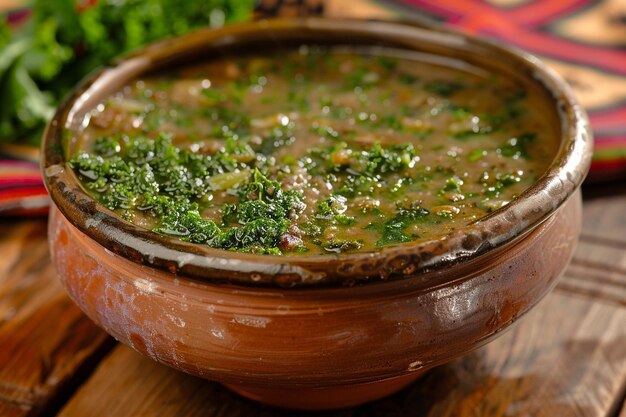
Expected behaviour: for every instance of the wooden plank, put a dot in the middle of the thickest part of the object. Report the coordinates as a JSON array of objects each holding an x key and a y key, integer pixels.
[
  {"x": 45, "y": 340},
  {"x": 128, "y": 384},
  {"x": 598, "y": 269},
  {"x": 604, "y": 211},
  {"x": 560, "y": 362}
]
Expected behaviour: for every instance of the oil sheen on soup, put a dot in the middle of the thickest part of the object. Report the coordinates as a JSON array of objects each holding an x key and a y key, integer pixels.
[{"x": 314, "y": 151}]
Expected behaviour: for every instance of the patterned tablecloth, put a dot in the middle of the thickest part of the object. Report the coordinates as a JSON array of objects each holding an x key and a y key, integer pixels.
[{"x": 584, "y": 40}]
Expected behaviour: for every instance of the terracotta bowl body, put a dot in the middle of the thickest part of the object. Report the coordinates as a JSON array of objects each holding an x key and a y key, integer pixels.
[{"x": 322, "y": 331}]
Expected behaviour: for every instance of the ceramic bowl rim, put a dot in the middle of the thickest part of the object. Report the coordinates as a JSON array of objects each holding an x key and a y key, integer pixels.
[{"x": 407, "y": 260}]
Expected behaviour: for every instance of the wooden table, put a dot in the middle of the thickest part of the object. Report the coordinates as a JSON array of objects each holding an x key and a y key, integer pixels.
[{"x": 566, "y": 358}]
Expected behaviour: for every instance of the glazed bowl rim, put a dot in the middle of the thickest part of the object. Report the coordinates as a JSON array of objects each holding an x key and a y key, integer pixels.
[{"x": 490, "y": 233}]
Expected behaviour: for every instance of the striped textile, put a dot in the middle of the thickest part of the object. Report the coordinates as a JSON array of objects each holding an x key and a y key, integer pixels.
[{"x": 21, "y": 189}]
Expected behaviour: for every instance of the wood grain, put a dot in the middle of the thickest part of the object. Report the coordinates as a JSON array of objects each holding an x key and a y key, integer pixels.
[
  {"x": 598, "y": 269},
  {"x": 45, "y": 341}
]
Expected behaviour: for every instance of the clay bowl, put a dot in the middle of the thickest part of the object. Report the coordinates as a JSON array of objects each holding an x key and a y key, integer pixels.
[{"x": 316, "y": 332}]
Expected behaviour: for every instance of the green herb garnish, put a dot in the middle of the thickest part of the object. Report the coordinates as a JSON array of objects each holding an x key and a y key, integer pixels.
[{"x": 65, "y": 40}]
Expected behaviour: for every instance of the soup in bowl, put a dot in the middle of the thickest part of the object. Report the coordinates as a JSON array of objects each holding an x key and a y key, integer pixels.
[{"x": 314, "y": 212}]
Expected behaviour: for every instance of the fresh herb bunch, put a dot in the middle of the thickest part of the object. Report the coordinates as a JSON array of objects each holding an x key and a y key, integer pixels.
[{"x": 65, "y": 40}]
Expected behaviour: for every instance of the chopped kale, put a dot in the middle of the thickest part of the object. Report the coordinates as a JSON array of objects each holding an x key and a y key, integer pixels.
[
  {"x": 261, "y": 232},
  {"x": 339, "y": 246},
  {"x": 444, "y": 88},
  {"x": 380, "y": 160},
  {"x": 356, "y": 185},
  {"x": 453, "y": 184},
  {"x": 389, "y": 64},
  {"x": 407, "y": 79},
  {"x": 390, "y": 121},
  {"x": 185, "y": 221},
  {"x": 326, "y": 131},
  {"x": 492, "y": 189},
  {"x": 106, "y": 146},
  {"x": 213, "y": 94},
  {"x": 361, "y": 78},
  {"x": 393, "y": 231},
  {"x": 277, "y": 138},
  {"x": 476, "y": 154},
  {"x": 517, "y": 147},
  {"x": 511, "y": 110},
  {"x": 260, "y": 188},
  {"x": 331, "y": 211},
  {"x": 252, "y": 210},
  {"x": 331, "y": 207},
  {"x": 154, "y": 175}
]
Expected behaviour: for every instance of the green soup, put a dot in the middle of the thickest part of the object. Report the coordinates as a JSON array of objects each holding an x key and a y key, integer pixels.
[{"x": 319, "y": 150}]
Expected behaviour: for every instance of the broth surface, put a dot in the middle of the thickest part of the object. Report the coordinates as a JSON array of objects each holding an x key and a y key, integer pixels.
[{"x": 314, "y": 151}]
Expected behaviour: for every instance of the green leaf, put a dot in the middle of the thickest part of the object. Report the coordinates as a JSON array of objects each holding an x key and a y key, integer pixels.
[
  {"x": 24, "y": 108},
  {"x": 517, "y": 147},
  {"x": 393, "y": 231},
  {"x": 66, "y": 39},
  {"x": 444, "y": 88}
]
